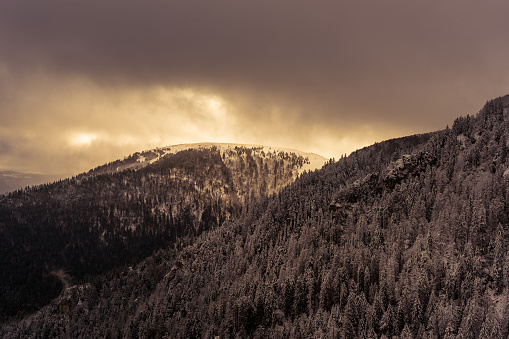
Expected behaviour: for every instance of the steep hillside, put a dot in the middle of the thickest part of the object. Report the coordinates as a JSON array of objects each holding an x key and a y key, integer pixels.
[
  {"x": 406, "y": 238},
  {"x": 114, "y": 216}
]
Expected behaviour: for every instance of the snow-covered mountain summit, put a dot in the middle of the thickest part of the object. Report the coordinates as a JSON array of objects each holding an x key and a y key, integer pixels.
[
  {"x": 314, "y": 161},
  {"x": 139, "y": 160}
]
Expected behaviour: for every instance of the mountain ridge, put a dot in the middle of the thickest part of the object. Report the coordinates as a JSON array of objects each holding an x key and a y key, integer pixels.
[
  {"x": 129, "y": 207},
  {"x": 148, "y": 157},
  {"x": 406, "y": 238}
]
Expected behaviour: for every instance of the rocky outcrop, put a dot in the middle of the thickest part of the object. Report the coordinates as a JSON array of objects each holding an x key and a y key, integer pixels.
[{"x": 407, "y": 166}]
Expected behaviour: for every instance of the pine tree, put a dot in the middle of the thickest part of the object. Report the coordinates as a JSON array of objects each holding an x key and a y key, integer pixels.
[
  {"x": 288, "y": 295},
  {"x": 387, "y": 322},
  {"x": 343, "y": 295},
  {"x": 478, "y": 227},
  {"x": 350, "y": 320},
  {"x": 360, "y": 278},
  {"x": 326, "y": 297},
  {"x": 399, "y": 317},
  {"x": 378, "y": 312},
  {"x": 506, "y": 269},
  {"x": 333, "y": 323},
  {"x": 367, "y": 281},
  {"x": 406, "y": 333},
  {"x": 430, "y": 308},
  {"x": 498, "y": 259},
  {"x": 417, "y": 313},
  {"x": 472, "y": 320},
  {"x": 491, "y": 328}
]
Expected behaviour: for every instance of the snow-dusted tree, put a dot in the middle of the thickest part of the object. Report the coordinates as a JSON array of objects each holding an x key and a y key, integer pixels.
[
  {"x": 406, "y": 333},
  {"x": 387, "y": 321},
  {"x": 473, "y": 316},
  {"x": 478, "y": 227},
  {"x": 491, "y": 328},
  {"x": 417, "y": 313},
  {"x": 506, "y": 269},
  {"x": 399, "y": 317},
  {"x": 498, "y": 259},
  {"x": 326, "y": 297}
]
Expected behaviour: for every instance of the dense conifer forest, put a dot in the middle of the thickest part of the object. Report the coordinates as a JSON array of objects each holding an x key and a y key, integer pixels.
[
  {"x": 74, "y": 230},
  {"x": 406, "y": 238}
]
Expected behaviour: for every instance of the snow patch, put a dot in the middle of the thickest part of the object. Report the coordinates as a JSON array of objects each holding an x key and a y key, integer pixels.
[
  {"x": 462, "y": 139},
  {"x": 102, "y": 237},
  {"x": 315, "y": 161},
  {"x": 311, "y": 162}
]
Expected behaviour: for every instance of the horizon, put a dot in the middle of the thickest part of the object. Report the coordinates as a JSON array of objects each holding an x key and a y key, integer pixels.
[
  {"x": 83, "y": 84},
  {"x": 187, "y": 145}
]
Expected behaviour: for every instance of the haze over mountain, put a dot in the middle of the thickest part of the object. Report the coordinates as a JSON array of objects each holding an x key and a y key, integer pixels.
[
  {"x": 82, "y": 83},
  {"x": 407, "y": 238},
  {"x": 10, "y": 181}
]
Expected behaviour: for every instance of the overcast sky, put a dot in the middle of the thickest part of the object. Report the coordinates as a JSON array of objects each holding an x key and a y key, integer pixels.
[{"x": 83, "y": 83}]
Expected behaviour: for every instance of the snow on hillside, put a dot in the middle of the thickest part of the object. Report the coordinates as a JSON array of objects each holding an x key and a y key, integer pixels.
[{"x": 315, "y": 161}]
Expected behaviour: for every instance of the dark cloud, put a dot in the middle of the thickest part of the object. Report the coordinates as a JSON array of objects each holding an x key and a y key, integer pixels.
[{"x": 347, "y": 72}]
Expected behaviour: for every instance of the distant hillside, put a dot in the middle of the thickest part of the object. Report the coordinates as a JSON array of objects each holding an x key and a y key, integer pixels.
[
  {"x": 142, "y": 159},
  {"x": 118, "y": 214},
  {"x": 10, "y": 181}
]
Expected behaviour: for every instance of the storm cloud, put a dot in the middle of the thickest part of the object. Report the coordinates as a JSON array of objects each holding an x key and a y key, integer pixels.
[{"x": 83, "y": 83}]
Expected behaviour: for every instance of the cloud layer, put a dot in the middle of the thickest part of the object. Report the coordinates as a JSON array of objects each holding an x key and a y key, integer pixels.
[{"x": 83, "y": 83}]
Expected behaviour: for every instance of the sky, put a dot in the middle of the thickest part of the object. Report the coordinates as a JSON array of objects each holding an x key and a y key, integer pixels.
[{"x": 83, "y": 83}]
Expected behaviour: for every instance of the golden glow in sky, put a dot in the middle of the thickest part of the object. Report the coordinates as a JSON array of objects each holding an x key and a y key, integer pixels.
[
  {"x": 85, "y": 83},
  {"x": 82, "y": 139}
]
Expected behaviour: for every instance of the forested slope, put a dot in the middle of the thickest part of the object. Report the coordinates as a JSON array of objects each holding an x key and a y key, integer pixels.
[
  {"x": 112, "y": 217},
  {"x": 406, "y": 238}
]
